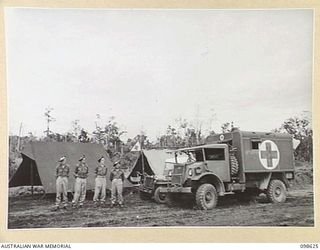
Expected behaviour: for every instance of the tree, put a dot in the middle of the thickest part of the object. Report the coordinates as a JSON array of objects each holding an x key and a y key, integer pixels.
[
  {"x": 226, "y": 127},
  {"x": 76, "y": 129},
  {"x": 182, "y": 134},
  {"x": 113, "y": 134},
  {"x": 83, "y": 137},
  {"x": 301, "y": 129},
  {"x": 109, "y": 134},
  {"x": 99, "y": 133},
  {"x": 49, "y": 119}
]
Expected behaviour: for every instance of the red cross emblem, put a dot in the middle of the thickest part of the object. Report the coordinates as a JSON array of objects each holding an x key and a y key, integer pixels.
[{"x": 269, "y": 154}]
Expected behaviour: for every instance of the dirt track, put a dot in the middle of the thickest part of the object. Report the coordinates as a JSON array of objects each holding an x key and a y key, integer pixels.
[{"x": 33, "y": 212}]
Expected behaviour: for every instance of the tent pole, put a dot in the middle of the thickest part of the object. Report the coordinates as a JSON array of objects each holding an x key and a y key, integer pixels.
[
  {"x": 31, "y": 177},
  {"x": 142, "y": 158}
]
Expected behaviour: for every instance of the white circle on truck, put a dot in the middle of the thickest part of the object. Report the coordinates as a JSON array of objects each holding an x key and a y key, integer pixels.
[
  {"x": 269, "y": 154},
  {"x": 221, "y": 137}
]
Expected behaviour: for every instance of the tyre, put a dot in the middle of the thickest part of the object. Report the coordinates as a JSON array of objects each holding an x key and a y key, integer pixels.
[
  {"x": 206, "y": 197},
  {"x": 144, "y": 196},
  {"x": 160, "y": 197},
  {"x": 234, "y": 165},
  {"x": 276, "y": 192}
]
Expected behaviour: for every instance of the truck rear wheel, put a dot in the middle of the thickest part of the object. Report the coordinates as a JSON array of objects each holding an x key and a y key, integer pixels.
[
  {"x": 276, "y": 191},
  {"x": 160, "y": 197},
  {"x": 206, "y": 196}
]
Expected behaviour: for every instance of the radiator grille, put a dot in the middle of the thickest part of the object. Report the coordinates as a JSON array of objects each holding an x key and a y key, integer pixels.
[
  {"x": 178, "y": 169},
  {"x": 176, "y": 179},
  {"x": 148, "y": 181},
  {"x": 178, "y": 173}
]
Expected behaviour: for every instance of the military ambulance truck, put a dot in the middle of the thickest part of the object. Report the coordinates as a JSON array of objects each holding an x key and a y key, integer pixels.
[{"x": 239, "y": 162}]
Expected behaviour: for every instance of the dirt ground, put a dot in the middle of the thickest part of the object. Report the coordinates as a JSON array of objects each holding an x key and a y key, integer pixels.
[
  {"x": 36, "y": 212},
  {"x": 27, "y": 211}
]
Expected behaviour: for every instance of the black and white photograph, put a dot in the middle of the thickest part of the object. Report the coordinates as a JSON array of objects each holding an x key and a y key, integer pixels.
[{"x": 121, "y": 118}]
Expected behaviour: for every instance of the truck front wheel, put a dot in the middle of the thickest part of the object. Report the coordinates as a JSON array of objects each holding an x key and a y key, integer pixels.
[
  {"x": 206, "y": 196},
  {"x": 276, "y": 191},
  {"x": 160, "y": 197}
]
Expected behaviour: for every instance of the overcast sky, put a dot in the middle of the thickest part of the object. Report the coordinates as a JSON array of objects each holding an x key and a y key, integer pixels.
[{"x": 150, "y": 67}]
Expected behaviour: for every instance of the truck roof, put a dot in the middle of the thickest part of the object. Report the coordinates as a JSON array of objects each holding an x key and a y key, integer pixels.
[
  {"x": 216, "y": 145},
  {"x": 248, "y": 134},
  {"x": 264, "y": 134}
]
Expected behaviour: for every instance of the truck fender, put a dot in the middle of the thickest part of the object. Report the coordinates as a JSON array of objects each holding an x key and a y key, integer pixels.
[
  {"x": 263, "y": 185},
  {"x": 282, "y": 177},
  {"x": 212, "y": 179}
]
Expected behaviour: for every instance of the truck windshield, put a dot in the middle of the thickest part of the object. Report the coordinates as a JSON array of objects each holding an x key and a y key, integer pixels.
[{"x": 198, "y": 155}]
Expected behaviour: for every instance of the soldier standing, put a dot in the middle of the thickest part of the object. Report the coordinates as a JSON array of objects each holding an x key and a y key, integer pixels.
[
  {"x": 116, "y": 178},
  {"x": 62, "y": 175},
  {"x": 100, "y": 183},
  {"x": 80, "y": 187}
]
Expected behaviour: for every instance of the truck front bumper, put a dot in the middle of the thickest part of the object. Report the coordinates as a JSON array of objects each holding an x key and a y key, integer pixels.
[
  {"x": 145, "y": 189},
  {"x": 175, "y": 189}
]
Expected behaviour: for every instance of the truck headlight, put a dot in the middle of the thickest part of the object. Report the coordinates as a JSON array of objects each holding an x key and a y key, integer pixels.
[
  {"x": 190, "y": 172},
  {"x": 198, "y": 170},
  {"x": 289, "y": 175},
  {"x": 170, "y": 173}
]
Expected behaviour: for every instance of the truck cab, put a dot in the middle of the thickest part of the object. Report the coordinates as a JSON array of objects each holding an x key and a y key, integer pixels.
[{"x": 211, "y": 159}]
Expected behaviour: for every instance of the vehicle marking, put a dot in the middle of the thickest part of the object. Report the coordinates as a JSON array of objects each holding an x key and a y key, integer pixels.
[{"x": 269, "y": 154}]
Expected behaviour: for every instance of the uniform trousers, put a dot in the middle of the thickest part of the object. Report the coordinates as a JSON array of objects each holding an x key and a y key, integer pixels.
[
  {"x": 116, "y": 191},
  {"x": 62, "y": 189},
  {"x": 100, "y": 189},
  {"x": 80, "y": 189}
]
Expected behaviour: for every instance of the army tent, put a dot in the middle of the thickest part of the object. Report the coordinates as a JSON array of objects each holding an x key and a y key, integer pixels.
[
  {"x": 154, "y": 163},
  {"x": 41, "y": 158}
]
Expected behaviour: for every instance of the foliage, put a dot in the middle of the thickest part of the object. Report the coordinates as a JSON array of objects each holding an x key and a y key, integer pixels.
[
  {"x": 183, "y": 134},
  {"x": 109, "y": 135},
  {"x": 300, "y": 128},
  {"x": 84, "y": 136},
  {"x": 226, "y": 127}
]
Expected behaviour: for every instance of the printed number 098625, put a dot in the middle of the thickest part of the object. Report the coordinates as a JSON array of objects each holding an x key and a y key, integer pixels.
[{"x": 313, "y": 246}]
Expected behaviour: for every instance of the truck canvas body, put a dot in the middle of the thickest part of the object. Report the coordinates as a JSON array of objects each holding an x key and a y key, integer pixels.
[{"x": 239, "y": 162}]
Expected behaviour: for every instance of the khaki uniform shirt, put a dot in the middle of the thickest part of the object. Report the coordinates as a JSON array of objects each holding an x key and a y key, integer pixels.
[
  {"x": 117, "y": 174},
  {"x": 81, "y": 170},
  {"x": 101, "y": 170},
  {"x": 62, "y": 170}
]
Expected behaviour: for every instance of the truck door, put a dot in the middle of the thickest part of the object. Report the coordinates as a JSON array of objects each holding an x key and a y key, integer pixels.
[{"x": 217, "y": 160}]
